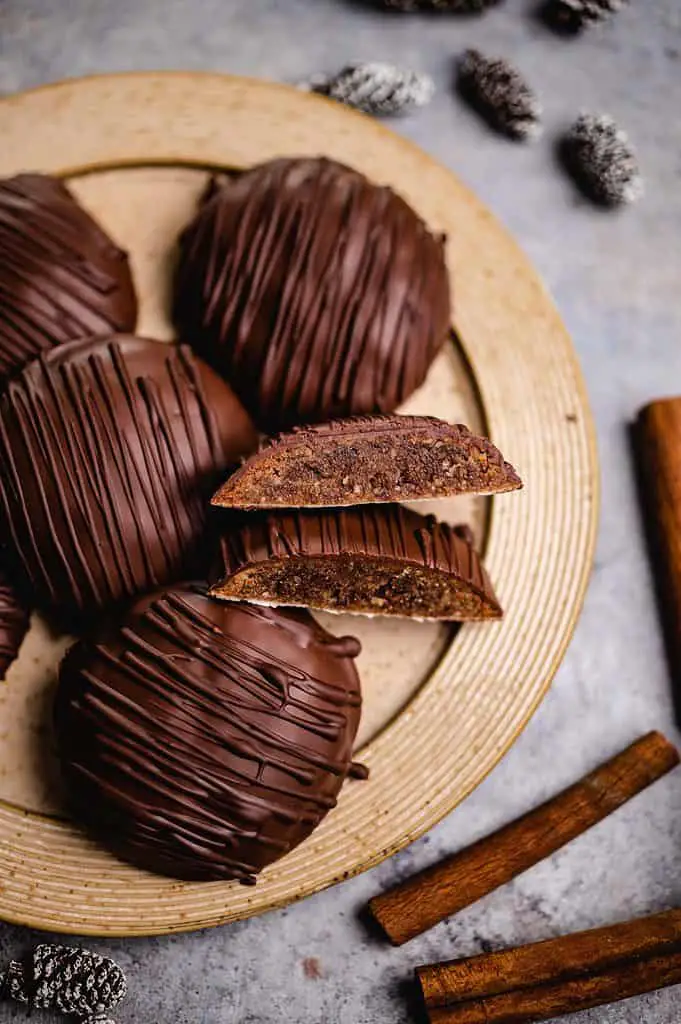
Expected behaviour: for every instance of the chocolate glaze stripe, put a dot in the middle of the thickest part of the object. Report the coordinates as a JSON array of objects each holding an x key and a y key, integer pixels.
[
  {"x": 37, "y": 427},
  {"x": 360, "y": 286},
  {"x": 118, "y": 477},
  {"x": 352, "y": 261},
  {"x": 23, "y": 337},
  {"x": 240, "y": 738},
  {"x": 21, "y": 269},
  {"x": 194, "y": 772},
  {"x": 236, "y": 659},
  {"x": 61, "y": 276},
  {"x": 73, "y": 405},
  {"x": 397, "y": 534},
  {"x": 103, "y": 440},
  {"x": 60, "y": 235},
  {"x": 357, "y": 285},
  {"x": 385, "y": 531},
  {"x": 373, "y": 425},
  {"x": 183, "y": 776},
  {"x": 9, "y": 470},
  {"x": 59, "y": 248},
  {"x": 240, "y": 658},
  {"x": 86, "y": 477},
  {"x": 169, "y": 752}
]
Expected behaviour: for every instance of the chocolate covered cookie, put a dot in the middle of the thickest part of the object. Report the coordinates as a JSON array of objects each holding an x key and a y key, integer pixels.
[
  {"x": 205, "y": 740},
  {"x": 367, "y": 459},
  {"x": 61, "y": 276},
  {"x": 376, "y": 560},
  {"x": 316, "y": 293},
  {"x": 109, "y": 451}
]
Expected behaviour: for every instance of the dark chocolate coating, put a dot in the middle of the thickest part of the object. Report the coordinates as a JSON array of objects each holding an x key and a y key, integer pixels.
[
  {"x": 61, "y": 276},
  {"x": 14, "y": 622},
  {"x": 348, "y": 537},
  {"x": 205, "y": 740},
  {"x": 109, "y": 450},
  {"x": 316, "y": 293}
]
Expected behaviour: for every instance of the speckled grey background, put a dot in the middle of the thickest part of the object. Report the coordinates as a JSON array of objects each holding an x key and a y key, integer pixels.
[{"x": 617, "y": 280}]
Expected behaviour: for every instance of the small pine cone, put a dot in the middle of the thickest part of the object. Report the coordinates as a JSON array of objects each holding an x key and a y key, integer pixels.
[
  {"x": 451, "y": 6},
  {"x": 72, "y": 981},
  {"x": 500, "y": 94},
  {"x": 575, "y": 15},
  {"x": 376, "y": 88},
  {"x": 602, "y": 161}
]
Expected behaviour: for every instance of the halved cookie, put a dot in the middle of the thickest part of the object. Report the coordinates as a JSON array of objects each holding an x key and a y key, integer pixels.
[
  {"x": 368, "y": 459},
  {"x": 381, "y": 560}
]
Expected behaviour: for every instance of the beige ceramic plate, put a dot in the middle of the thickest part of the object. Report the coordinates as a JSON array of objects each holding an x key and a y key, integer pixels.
[{"x": 440, "y": 708}]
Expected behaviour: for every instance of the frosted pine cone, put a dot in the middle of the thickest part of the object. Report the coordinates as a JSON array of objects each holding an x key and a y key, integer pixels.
[
  {"x": 500, "y": 94},
  {"x": 602, "y": 161},
  {"x": 575, "y": 15},
  {"x": 452, "y": 6},
  {"x": 377, "y": 88},
  {"x": 72, "y": 981}
]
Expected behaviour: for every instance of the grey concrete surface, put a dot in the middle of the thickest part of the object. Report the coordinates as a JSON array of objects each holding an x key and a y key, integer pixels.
[{"x": 617, "y": 280}]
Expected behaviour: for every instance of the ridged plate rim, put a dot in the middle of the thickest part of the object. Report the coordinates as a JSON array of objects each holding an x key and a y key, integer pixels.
[{"x": 540, "y": 543}]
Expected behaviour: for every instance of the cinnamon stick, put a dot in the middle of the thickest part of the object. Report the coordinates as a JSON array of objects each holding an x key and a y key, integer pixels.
[
  {"x": 428, "y": 897},
  {"x": 558, "y": 976},
  {"x": 658, "y": 443}
]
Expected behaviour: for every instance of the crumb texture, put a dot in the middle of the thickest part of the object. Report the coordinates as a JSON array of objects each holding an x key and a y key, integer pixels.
[
  {"x": 384, "y": 559},
  {"x": 368, "y": 459},
  {"x": 370, "y": 585}
]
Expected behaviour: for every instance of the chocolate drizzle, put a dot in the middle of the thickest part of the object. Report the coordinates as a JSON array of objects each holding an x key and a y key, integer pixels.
[
  {"x": 14, "y": 622},
  {"x": 314, "y": 292},
  {"x": 61, "y": 276},
  {"x": 108, "y": 450},
  {"x": 205, "y": 740},
  {"x": 381, "y": 559}
]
